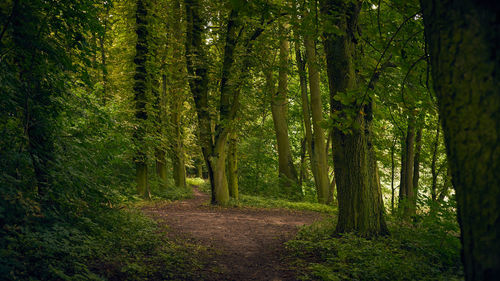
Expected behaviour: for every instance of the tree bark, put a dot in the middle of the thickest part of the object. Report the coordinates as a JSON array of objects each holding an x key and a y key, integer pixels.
[
  {"x": 161, "y": 165},
  {"x": 393, "y": 166},
  {"x": 197, "y": 68},
  {"x": 434, "y": 171},
  {"x": 140, "y": 99},
  {"x": 359, "y": 196},
  {"x": 416, "y": 169},
  {"x": 406, "y": 192},
  {"x": 279, "y": 107},
  {"x": 232, "y": 166},
  {"x": 318, "y": 156},
  {"x": 177, "y": 99},
  {"x": 463, "y": 40},
  {"x": 306, "y": 113}
]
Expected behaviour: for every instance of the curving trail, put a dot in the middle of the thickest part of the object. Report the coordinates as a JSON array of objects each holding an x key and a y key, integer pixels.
[{"x": 247, "y": 242}]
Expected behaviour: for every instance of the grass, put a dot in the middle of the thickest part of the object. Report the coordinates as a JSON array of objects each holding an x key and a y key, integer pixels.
[
  {"x": 262, "y": 202},
  {"x": 265, "y": 202}
]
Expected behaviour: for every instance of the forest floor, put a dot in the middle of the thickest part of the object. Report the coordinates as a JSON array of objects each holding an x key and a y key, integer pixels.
[{"x": 244, "y": 243}]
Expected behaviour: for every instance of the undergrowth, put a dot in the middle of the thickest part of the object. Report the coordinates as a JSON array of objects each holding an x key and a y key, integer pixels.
[
  {"x": 428, "y": 249},
  {"x": 99, "y": 243}
]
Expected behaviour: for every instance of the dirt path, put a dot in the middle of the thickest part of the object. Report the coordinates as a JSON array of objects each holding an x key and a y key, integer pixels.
[{"x": 248, "y": 242}]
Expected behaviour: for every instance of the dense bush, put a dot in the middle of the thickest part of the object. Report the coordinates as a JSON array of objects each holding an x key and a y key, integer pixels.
[{"x": 428, "y": 249}]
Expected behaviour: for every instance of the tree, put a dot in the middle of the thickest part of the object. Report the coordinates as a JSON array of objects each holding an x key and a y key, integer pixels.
[
  {"x": 140, "y": 98},
  {"x": 177, "y": 93},
  {"x": 312, "y": 110},
  {"x": 279, "y": 108},
  {"x": 462, "y": 38},
  {"x": 239, "y": 41},
  {"x": 406, "y": 190},
  {"x": 359, "y": 195}
]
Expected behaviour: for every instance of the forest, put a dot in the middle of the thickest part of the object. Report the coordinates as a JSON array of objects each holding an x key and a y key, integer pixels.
[{"x": 249, "y": 140}]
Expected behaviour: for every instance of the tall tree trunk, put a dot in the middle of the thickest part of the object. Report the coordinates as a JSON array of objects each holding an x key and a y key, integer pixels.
[
  {"x": 198, "y": 71},
  {"x": 393, "y": 166},
  {"x": 318, "y": 157},
  {"x": 140, "y": 99},
  {"x": 434, "y": 171},
  {"x": 406, "y": 192},
  {"x": 161, "y": 165},
  {"x": 232, "y": 166},
  {"x": 359, "y": 196},
  {"x": 375, "y": 189},
  {"x": 306, "y": 113},
  {"x": 446, "y": 185},
  {"x": 302, "y": 175},
  {"x": 463, "y": 38},
  {"x": 279, "y": 107},
  {"x": 416, "y": 169},
  {"x": 177, "y": 99}
]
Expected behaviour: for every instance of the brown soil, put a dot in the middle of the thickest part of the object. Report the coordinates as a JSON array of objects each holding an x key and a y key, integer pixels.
[{"x": 247, "y": 243}]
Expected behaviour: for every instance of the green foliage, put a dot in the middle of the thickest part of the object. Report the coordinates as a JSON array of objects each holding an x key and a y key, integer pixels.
[
  {"x": 429, "y": 249},
  {"x": 266, "y": 202},
  {"x": 110, "y": 245}
]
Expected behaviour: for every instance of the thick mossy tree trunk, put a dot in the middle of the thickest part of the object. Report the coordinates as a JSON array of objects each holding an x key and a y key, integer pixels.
[
  {"x": 232, "y": 166},
  {"x": 177, "y": 97},
  {"x": 140, "y": 99},
  {"x": 279, "y": 107},
  {"x": 463, "y": 40},
  {"x": 318, "y": 156},
  {"x": 359, "y": 196},
  {"x": 406, "y": 191}
]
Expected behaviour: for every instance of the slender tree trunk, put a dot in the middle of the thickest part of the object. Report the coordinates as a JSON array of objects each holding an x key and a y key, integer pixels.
[
  {"x": 177, "y": 99},
  {"x": 446, "y": 185},
  {"x": 199, "y": 169},
  {"x": 318, "y": 156},
  {"x": 279, "y": 107},
  {"x": 406, "y": 192},
  {"x": 463, "y": 38},
  {"x": 393, "y": 166},
  {"x": 359, "y": 196},
  {"x": 160, "y": 107},
  {"x": 306, "y": 113},
  {"x": 434, "y": 171},
  {"x": 161, "y": 165},
  {"x": 416, "y": 169},
  {"x": 232, "y": 166},
  {"x": 302, "y": 175},
  {"x": 140, "y": 98}
]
